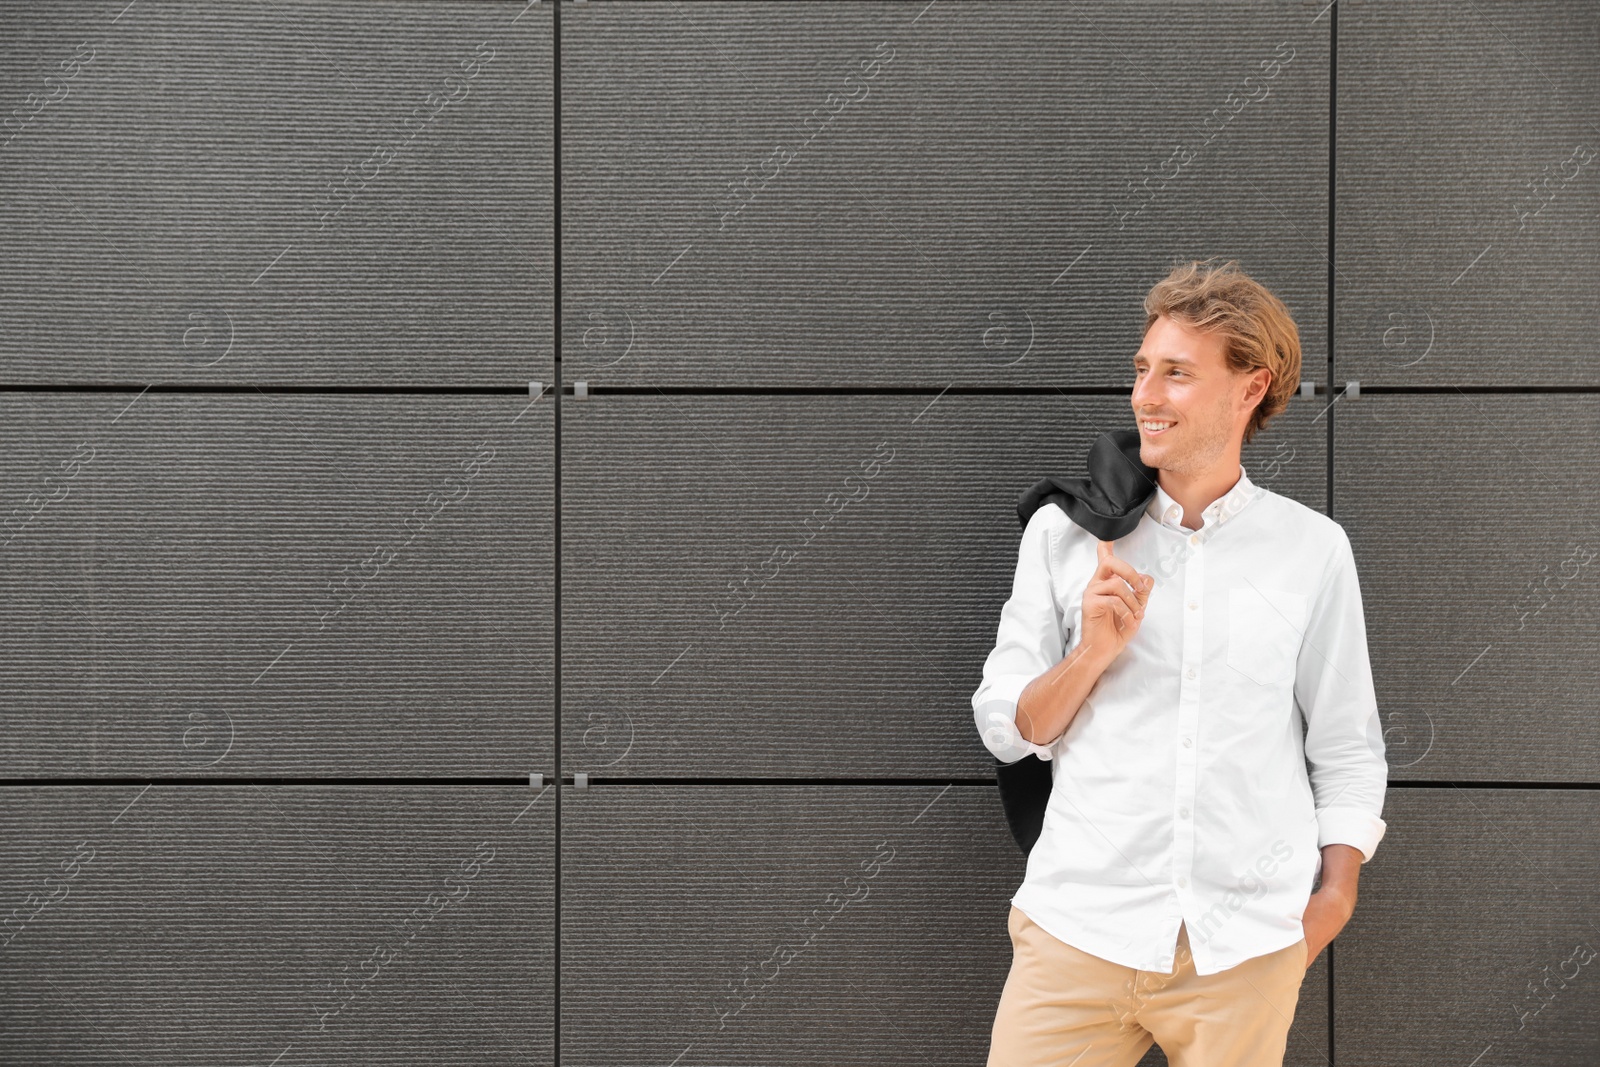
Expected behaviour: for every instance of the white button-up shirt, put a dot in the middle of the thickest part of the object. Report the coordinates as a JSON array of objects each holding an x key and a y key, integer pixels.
[{"x": 1181, "y": 791}]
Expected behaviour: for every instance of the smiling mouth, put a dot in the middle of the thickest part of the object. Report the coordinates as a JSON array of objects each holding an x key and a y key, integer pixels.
[{"x": 1154, "y": 427}]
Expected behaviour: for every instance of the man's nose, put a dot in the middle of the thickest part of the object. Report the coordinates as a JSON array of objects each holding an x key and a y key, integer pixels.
[{"x": 1145, "y": 395}]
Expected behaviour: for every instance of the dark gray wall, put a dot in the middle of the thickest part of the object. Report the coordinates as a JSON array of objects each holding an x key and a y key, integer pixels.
[{"x": 338, "y": 528}]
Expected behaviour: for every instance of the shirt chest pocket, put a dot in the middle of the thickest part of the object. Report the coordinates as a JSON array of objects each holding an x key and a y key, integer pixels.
[{"x": 1265, "y": 625}]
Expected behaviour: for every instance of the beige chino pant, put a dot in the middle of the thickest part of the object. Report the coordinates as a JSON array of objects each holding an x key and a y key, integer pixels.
[{"x": 1063, "y": 1007}]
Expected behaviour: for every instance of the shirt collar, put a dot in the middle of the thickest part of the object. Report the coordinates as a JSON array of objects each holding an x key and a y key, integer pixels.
[{"x": 1168, "y": 511}]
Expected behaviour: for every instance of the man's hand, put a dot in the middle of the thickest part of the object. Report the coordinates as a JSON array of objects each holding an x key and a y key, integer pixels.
[
  {"x": 1114, "y": 602},
  {"x": 1326, "y": 913},
  {"x": 1331, "y": 906}
]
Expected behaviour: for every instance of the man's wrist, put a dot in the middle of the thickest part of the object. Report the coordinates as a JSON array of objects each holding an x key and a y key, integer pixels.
[
  {"x": 1338, "y": 893},
  {"x": 1341, "y": 870},
  {"x": 1096, "y": 655}
]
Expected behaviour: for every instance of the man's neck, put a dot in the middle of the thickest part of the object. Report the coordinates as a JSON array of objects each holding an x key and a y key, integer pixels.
[{"x": 1195, "y": 493}]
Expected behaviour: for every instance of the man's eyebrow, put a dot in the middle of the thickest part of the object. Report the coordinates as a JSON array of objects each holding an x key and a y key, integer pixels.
[{"x": 1170, "y": 359}]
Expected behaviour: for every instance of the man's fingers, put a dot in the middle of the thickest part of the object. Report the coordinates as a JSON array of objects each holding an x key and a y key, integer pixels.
[
  {"x": 1122, "y": 619},
  {"x": 1116, "y": 587},
  {"x": 1109, "y": 565}
]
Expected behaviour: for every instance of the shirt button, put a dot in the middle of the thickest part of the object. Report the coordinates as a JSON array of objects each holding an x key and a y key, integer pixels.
[
  {"x": 1193, "y": 606},
  {"x": 1194, "y": 539},
  {"x": 1186, "y": 742},
  {"x": 1183, "y": 882},
  {"x": 1191, "y": 672},
  {"x": 1183, "y": 813}
]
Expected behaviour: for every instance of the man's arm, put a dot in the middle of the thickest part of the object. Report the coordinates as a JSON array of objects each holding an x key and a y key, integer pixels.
[
  {"x": 1030, "y": 690},
  {"x": 1344, "y": 744},
  {"x": 1344, "y": 739},
  {"x": 1051, "y": 701},
  {"x": 1341, "y": 870}
]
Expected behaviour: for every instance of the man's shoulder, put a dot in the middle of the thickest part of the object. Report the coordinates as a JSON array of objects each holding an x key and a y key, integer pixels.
[
  {"x": 1049, "y": 513},
  {"x": 1061, "y": 526},
  {"x": 1300, "y": 517},
  {"x": 1299, "y": 523},
  {"x": 1071, "y": 546}
]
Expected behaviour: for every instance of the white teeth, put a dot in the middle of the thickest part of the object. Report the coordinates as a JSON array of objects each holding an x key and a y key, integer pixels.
[{"x": 1154, "y": 427}]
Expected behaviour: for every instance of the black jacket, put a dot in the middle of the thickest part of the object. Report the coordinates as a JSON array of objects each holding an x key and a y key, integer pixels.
[{"x": 1107, "y": 503}]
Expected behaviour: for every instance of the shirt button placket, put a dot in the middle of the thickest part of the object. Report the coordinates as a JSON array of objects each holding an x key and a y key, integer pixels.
[{"x": 1188, "y": 713}]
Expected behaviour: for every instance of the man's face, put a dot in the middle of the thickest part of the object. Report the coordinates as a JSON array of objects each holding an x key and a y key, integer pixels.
[{"x": 1181, "y": 378}]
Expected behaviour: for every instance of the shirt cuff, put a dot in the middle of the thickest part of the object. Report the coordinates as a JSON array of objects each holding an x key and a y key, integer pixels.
[
  {"x": 996, "y": 715},
  {"x": 1356, "y": 827},
  {"x": 1001, "y": 737}
]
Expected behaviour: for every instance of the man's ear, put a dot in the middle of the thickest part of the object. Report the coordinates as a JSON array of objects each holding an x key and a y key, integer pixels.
[{"x": 1260, "y": 378}]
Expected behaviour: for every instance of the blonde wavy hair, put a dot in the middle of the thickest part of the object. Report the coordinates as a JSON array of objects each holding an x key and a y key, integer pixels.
[{"x": 1257, "y": 326}]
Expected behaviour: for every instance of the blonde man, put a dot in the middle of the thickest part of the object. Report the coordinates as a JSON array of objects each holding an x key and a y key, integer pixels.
[{"x": 1179, "y": 679}]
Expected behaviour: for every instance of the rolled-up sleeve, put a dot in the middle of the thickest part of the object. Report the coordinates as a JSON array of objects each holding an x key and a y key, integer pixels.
[
  {"x": 1333, "y": 687},
  {"x": 1028, "y": 643}
]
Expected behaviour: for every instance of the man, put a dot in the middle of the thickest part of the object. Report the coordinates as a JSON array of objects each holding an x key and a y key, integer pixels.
[{"x": 1166, "y": 675}]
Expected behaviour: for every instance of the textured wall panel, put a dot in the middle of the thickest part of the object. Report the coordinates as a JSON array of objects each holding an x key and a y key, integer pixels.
[
  {"x": 690, "y": 645},
  {"x": 1476, "y": 938},
  {"x": 282, "y": 925},
  {"x": 782, "y": 925},
  {"x": 889, "y": 193},
  {"x": 234, "y": 584},
  {"x": 1468, "y": 197},
  {"x": 170, "y": 216},
  {"x": 1474, "y": 526}
]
